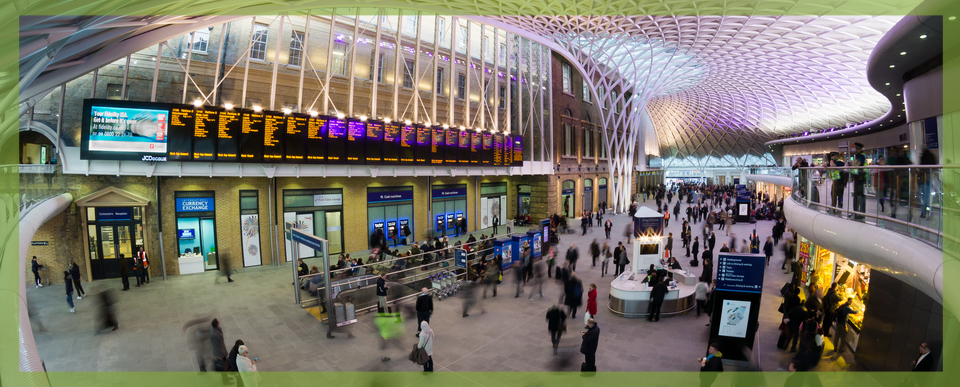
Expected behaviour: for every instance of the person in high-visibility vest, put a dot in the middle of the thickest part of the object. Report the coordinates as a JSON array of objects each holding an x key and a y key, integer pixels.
[{"x": 666, "y": 219}]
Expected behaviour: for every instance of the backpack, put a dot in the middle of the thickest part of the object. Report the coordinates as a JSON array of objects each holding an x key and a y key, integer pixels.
[{"x": 578, "y": 290}]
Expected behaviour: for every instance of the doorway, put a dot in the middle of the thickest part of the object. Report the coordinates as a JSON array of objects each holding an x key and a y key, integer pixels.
[
  {"x": 199, "y": 236},
  {"x": 107, "y": 243}
]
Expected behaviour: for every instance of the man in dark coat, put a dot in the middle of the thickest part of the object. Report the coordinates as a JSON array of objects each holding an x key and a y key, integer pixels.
[
  {"x": 656, "y": 300},
  {"x": 710, "y": 365},
  {"x": 768, "y": 249},
  {"x": 572, "y": 256},
  {"x": 124, "y": 273},
  {"x": 424, "y": 308},
  {"x": 555, "y": 318},
  {"x": 219, "y": 348},
  {"x": 713, "y": 240},
  {"x": 594, "y": 252},
  {"x": 696, "y": 248},
  {"x": 708, "y": 266},
  {"x": 573, "y": 293},
  {"x": 591, "y": 338},
  {"x": 795, "y": 317},
  {"x": 830, "y": 302},
  {"x": 925, "y": 361}
]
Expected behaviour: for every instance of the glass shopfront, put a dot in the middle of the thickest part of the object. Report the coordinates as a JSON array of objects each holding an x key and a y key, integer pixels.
[
  {"x": 449, "y": 206},
  {"x": 523, "y": 200},
  {"x": 493, "y": 202},
  {"x": 567, "y": 196},
  {"x": 318, "y": 212},
  {"x": 852, "y": 279},
  {"x": 197, "y": 226},
  {"x": 390, "y": 210},
  {"x": 112, "y": 231}
]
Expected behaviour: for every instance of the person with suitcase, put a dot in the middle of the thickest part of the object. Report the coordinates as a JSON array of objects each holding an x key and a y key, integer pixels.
[{"x": 591, "y": 338}]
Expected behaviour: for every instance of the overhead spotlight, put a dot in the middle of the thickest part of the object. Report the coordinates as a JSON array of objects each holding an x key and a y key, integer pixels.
[
  {"x": 887, "y": 84},
  {"x": 445, "y": 126},
  {"x": 228, "y": 106},
  {"x": 506, "y": 132},
  {"x": 462, "y": 127},
  {"x": 923, "y": 36},
  {"x": 427, "y": 124},
  {"x": 898, "y": 94},
  {"x": 952, "y": 18},
  {"x": 387, "y": 120},
  {"x": 314, "y": 113},
  {"x": 287, "y": 111},
  {"x": 363, "y": 118},
  {"x": 479, "y": 130},
  {"x": 341, "y": 116},
  {"x": 257, "y": 108},
  {"x": 903, "y": 53},
  {"x": 892, "y": 66},
  {"x": 408, "y": 122},
  {"x": 197, "y": 102}
]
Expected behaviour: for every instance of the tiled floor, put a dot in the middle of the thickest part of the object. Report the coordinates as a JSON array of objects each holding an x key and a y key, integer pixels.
[{"x": 260, "y": 309}]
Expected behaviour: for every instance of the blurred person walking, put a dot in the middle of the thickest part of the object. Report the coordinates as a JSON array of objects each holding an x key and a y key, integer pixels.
[
  {"x": 75, "y": 273},
  {"x": 68, "y": 282},
  {"x": 556, "y": 324}
]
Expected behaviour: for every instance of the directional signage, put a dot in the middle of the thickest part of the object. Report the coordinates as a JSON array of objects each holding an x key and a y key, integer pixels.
[
  {"x": 740, "y": 272},
  {"x": 460, "y": 258},
  {"x": 308, "y": 240}
]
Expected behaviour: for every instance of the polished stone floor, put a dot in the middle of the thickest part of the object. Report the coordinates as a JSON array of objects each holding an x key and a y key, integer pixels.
[{"x": 259, "y": 308}]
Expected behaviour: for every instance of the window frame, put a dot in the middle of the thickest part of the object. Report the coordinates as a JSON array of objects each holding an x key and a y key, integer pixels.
[
  {"x": 296, "y": 48},
  {"x": 409, "y": 67},
  {"x": 205, "y": 31},
  {"x": 341, "y": 67},
  {"x": 566, "y": 72},
  {"x": 461, "y": 86},
  {"x": 439, "y": 81},
  {"x": 261, "y": 34}
]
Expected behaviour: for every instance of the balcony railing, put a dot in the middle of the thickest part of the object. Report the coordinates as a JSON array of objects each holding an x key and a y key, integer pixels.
[{"x": 901, "y": 198}]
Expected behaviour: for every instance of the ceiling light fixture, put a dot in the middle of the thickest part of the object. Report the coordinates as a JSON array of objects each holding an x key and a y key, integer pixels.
[
  {"x": 340, "y": 116},
  {"x": 257, "y": 108},
  {"x": 923, "y": 36},
  {"x": 314, "y": 113},
  {"x": 892, "y": 66},
  {"x": 408, "y": 122},
  {"x": 903, "y": 53},
  {"x": 197, "y": 102},
  {"x": 287, "y": 111},
  {"x": 363, "y": 118},
  {"x": 228, "y": 106}
]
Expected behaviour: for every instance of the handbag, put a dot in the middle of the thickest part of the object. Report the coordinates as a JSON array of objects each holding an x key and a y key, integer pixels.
[
  {"x": 783, "y": 326},
  {"x": 782, "y": 308},
  {"x": 220, "y": 365},
  {"x": 418, "y": 355},
  {"x": 562, "y": 327}
]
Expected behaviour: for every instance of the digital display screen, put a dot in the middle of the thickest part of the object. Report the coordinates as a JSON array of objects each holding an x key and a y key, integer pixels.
[
  {"x": 517, "y": 151},
  {"x": 374, "y": 143},
  {"x": 391, "y": 144},
  {"x": 336, "y": 141},
  {"x": 437, "y": 147},
  {"x": 296, "y": 139},
  {"x": 251, "y": 137},
  {"x": 464, "y": 147},
  {"x": 228, "y": 136},
  {"x": 204, "y": 135},
  {"x": 487, "y": 149},
  {"x": 274, "y": 127},
  {"x": 424, "y": 137},
  {"x": 476, "y": 148},
  {"x": 507, "y": 150},
  {"x": 180, "y": 139},
  {"x": 452, "y": 146},
  {"x": 124, "y": 131},
  {"x": 356, "y": 130},
  {"x": 316, "y": 144},
  {"x": 497, "y": 150}
]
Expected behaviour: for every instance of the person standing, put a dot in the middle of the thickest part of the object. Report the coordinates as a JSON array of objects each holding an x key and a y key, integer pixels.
[
  {"x": 518, "y": 277},
  {"x": 794, "y": 317},
  {"x": 607, "y": 227},
  {"x": 137, "y": 268},
  {"x": 710, "y": 365},
  {"x": 925, "y": 361},
  {"x": 35, "y": 267},
  {"x": 247, "y": 367},
  {"x": 68, "y": 282},
  {"x": 591, "y": 339},
  {"x": 219, "y": 348},
  {"x": 556, "y": 324},
  {"x": 426, "y": 342},
  {"x": 594, "y": 251},
  {"x": 232, "y": 361},
  {"x": 382, "y": 293},
  {"x": 696, "y": 250},
  {"x": 656, "y": 300},
  {"x": 839, "y": 182},
  {"x": 843, "y": 312},
  {"x": 124, "y": 273},
  {"x": 75, "y": 273},
  {"x": 859, "y": 181},
  {"x": 830, "y": 304},
  {"x": 607, "y": 255},
  {"x": 707, "y": 266},
  {"x": 713, "y": 240},
  {"x": 618, "y": 259},
  {"x": 768, "y": 249},
  {"x": 538, "y": 269},
  {"x": 492, "y": 276},
  {"x": 669, "y": 246},
  {"x": 591, "y": 311},
  {"x": 496, "y": 222},
  {"x": 145, "y": 273},
  {"x": 424, "y": 308}
]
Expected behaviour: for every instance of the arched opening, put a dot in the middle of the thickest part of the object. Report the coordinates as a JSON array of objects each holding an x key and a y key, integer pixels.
[
  {"x": 588, "y": 195},
  {"x": 568, "y": 195},
  {"x": 523, "y": 200},
  {"x": 602, "y": 191}
]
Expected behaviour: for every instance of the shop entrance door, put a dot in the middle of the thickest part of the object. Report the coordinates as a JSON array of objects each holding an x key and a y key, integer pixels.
[
  {"x": 111, "y": 241},
  {"x": 334, "y": 231}
]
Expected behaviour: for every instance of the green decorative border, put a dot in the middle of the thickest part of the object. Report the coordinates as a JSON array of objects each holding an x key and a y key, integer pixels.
[{"x": 11, "y": 10}]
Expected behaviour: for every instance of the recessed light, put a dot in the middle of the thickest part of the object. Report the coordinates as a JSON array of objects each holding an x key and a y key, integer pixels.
[
  {"x": 898, "y": 94},
  {"x": 257, "y": 108},
  {"x": 951, "y": 18},
  {"x": 228, "y": 106},
  {"x": 287, "y": 111},
  {"x": 892, "y": 66},
  {"x": 887, "y": 84},
  {"x": 903, "y": 53},
  {"x": 923, "y": 36}
]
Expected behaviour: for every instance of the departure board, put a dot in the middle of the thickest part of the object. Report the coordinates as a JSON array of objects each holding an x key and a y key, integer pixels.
[
  {"x": 180, "y": 136},
  {"x": 497, "y": 150},
  {"x": 517, "y": 151},
  {"x": 487, "y": 150},
  {"x": 356, "y": 130},
  {"x": 424, "y": 147},
  {"x": 205, "y": 135},
  {"x": 476, "y": 146},
  {"x": 507, "y": 150},
  {"x": 438, "y": 147},
  {"x": 374, "y": 142},
  {"x": 391, "y": 144},
  {"x": 336, "y": 141},
  {"x": 274, "y": 127},
  {"x": 295, "y": 138},
  {"x": 228, "y": 136},
  {"x": 452, "y": 147},
  {"x": 409, "y": 147},
  {"x": 464, "y": 155},
  {"x": 316, "y": 148},
  {"x": 251, "y": 137}
]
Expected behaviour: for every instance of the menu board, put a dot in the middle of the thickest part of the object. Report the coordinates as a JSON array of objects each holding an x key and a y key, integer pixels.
[
  {"x": 391, "y": 144},
  {"x": 157, "y": 132},
  {"x": 424, "y": 148},
  {"x": 517, "y": 151},
  {"x": 464, "y": 147},
  {"x": 452, "y": 147},
  {"x": 438, "y": 147},
  {"x": 476, "y": 147},
  {"x": 295, "y": 139},
  {"x": 274, "y": 127},
  {"x": 486, "y": 151},
  {"x": 316, "y": 144},
  {"x": 497, "y": 150},
  {"x": 204, "y": 135},
  {"x": 180, "y": 138},
  {"x": 251, "y": 137},
  {"x": 374, "y": 153},
  {"x": 228, "y": 136},
  {"x": 336, "y": 141},
  {"x": 356, "y": 130}
]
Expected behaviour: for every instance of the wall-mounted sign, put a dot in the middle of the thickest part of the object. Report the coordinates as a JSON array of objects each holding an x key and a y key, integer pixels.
[
  {"x": 107, "y": 214},
  {"x": 39, "y": 243},
  {"x": 328, "y": 200},
  {"x": 195, "y": 204},
  {"x": 186, "y": 233}
]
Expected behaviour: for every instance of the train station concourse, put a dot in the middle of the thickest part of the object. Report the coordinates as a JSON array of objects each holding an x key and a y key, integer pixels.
[{"x": 469, "y": 192}]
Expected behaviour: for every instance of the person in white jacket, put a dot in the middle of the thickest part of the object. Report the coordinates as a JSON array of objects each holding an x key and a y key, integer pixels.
[
  {"x": 426, "y": 342},
  {"x": 247, "y": 367}
]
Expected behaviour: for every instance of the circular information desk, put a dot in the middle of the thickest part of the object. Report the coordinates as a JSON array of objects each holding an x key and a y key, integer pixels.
[{"x": 631, "y": 298}]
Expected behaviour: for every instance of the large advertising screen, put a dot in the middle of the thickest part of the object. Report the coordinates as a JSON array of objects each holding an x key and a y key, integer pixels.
[{"x": 156, "y": 132}]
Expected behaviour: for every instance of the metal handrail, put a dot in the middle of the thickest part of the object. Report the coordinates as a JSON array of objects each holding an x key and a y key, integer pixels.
[
  {"x": 912, "y": 166},
  {"x": 884, "y": 218}
]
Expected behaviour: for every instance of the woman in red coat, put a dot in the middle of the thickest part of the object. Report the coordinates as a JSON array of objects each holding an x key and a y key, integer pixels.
[{"x": 591, "y": 303}]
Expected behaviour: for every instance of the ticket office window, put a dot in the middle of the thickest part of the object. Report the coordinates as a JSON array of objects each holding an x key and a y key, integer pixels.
[
  {"x": 318, "y": 212},
  {"x": 493, "y": 202},
  {"x": 390, "y": 210}
]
